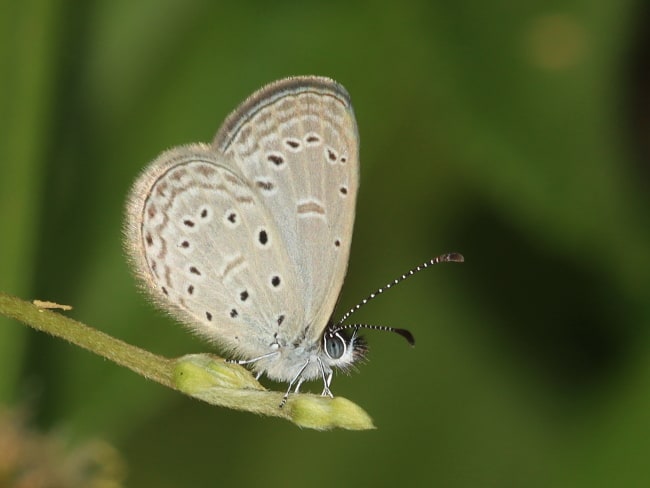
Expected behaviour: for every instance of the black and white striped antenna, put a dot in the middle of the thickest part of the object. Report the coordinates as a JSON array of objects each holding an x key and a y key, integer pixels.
[{"x": 444, "y": 258}]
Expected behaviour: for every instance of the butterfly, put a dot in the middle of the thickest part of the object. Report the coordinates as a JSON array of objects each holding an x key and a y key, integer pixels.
[{"x": 246, "y": 240}]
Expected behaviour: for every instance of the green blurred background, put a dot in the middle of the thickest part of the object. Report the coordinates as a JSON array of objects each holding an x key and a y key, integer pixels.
[{"x": 513, "y": 132}]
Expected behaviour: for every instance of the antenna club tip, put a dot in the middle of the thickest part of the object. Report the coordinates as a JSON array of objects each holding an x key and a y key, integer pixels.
[
  {"x": 455, "y": 257},
  {"x": 406, "y": 335}
]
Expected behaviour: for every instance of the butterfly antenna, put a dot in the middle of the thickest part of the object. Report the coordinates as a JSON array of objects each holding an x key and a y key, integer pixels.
[
  {"x": 403, "y": 332},
  {"x": 449, "y": 257}
]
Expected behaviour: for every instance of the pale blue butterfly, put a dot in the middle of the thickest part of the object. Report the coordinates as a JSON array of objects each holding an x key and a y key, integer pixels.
[{"x": 246, "y": 240}]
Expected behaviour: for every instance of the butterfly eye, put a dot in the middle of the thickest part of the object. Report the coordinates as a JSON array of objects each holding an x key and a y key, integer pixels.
[{"x": 334, "y": 345}]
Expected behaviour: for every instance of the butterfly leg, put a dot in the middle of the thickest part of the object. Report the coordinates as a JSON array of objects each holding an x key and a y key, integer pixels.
[
  {"x": 298, "y": 379},
  {"x": 248, "y": 361},
  {"x": 327, "y": 379}
]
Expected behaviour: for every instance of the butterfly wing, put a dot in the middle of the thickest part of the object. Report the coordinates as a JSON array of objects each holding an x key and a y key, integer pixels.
[
  {"x": 296, "y": 142},
  {"x": 204, "y": 245}
]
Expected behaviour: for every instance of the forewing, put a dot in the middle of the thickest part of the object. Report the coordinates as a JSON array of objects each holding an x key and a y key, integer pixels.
[{"x": 295, "y": 141}]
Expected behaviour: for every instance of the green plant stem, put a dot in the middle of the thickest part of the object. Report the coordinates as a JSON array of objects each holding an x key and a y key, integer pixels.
[
  {"x": 156, "y": 368},
  {"x": 202, "y": 376}
]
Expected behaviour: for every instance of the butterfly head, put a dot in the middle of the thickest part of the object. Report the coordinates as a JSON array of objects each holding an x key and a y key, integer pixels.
[{"x": 343, "y": 348}]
